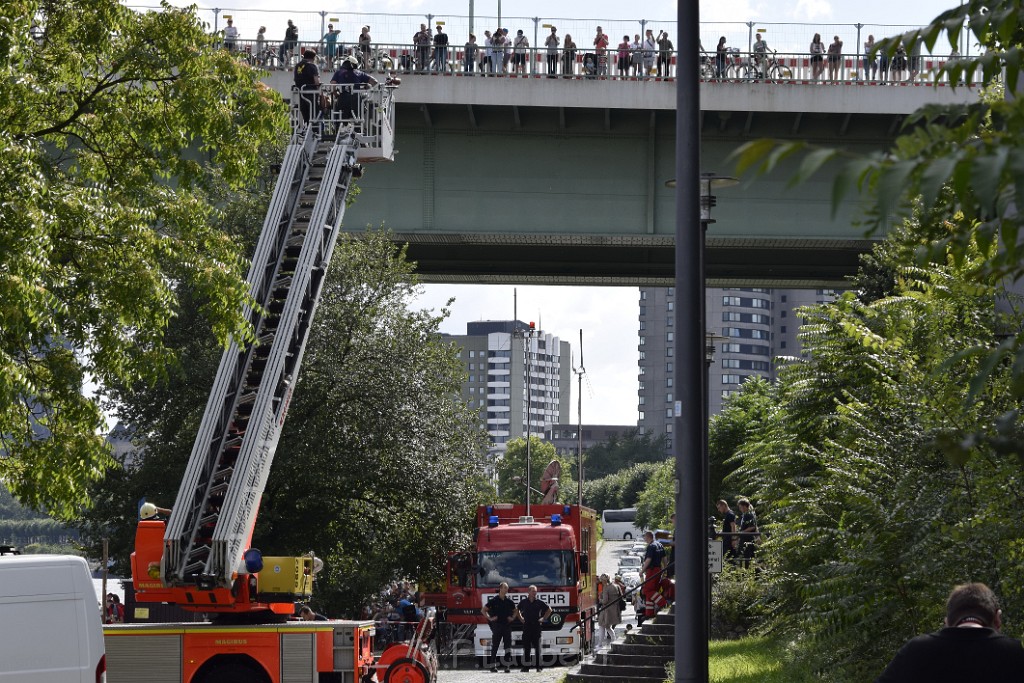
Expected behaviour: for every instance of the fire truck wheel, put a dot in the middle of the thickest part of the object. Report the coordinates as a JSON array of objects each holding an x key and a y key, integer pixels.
[{"x": 406, "y": 670}]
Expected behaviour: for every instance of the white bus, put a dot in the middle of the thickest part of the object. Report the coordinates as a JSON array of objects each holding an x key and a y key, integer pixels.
[{"x": 620, "y": 525}]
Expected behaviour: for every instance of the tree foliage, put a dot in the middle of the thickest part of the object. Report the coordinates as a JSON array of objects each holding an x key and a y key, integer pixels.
[
  {"x": 960, "y": 161},
  {"x": 619, "y": 490},
  {"x": 513, "y": 464},
  {"x": 882, "y": 488},
  {"x": 113, "y": 125},
  {"x": 619, "y": 452}
]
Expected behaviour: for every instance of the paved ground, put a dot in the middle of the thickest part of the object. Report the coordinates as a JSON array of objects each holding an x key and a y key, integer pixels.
[{"x": 608, "y": 553}]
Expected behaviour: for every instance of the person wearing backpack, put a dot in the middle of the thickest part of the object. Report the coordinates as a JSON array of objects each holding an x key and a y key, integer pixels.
[{"x": 657, "y": 590}]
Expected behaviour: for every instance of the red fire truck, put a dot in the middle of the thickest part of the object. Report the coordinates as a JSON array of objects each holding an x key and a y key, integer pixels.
[
  {"x": 197, "y": 555},
  {"x": 554, "y": 548}
]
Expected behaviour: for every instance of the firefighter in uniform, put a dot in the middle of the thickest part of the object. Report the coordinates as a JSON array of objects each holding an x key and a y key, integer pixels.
[
  {"x": 532, "y": 612},
  {"x": 499, "y": 612}
]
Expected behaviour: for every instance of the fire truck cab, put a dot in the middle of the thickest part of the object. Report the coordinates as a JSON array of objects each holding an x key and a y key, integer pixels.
[{"x": 550, "y": 549}]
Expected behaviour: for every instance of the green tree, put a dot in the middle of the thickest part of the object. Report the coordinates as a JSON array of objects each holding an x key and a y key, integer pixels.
[
  {"x": 727, "y": 432},
  {"x": 113, "y": 125},
  {"x": 513, "y": 464},
  {"x": 880, "y": 486},
  {"x": 964, "y": 163},
  {"x": 618, "y": 453},
  {"x": 619, "y": 490}
]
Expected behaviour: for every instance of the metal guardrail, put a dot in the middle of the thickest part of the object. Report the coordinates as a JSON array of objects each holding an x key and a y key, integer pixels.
[{"x": 733, "y": 66}]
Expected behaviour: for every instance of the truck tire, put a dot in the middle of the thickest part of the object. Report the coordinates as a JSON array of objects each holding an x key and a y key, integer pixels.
[{"x": 406, "y": 670}]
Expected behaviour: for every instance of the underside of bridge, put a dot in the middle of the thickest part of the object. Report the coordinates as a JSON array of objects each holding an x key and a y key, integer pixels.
[{"x": 504, "y": 193}]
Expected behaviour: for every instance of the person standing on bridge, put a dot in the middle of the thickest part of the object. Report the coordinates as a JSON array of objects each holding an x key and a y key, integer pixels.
[
  {"x": 421, "y": 41},
  {"x": 665, "y": 49},
  {"x": 835, "y": 59},
  {"x": 230, "y": 36},
  {"x": 568, "y": 57},
  {"x": 650, "y": 47},
  {"x": 440, "y": 50},
  {"x": 601, "y": 50},
  {"x": 522, "y": 45},
  {"x": 290, "y": 42},
  {"x": 499, "y": 612},
  {"x": 817, "y": 56},
  {"x": 532, "y": 612},
  {"x": 551, "y": 43}
]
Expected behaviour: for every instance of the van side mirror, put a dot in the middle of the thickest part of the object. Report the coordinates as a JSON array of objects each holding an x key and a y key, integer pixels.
[{"x": 584, "y": 563}]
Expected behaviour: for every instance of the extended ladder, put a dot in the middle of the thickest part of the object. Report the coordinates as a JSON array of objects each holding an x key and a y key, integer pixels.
[{"x": 215, "y": 509}]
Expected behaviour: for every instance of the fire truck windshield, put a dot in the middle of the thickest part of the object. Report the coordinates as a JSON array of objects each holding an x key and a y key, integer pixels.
[{"x": 522, "y": 568}]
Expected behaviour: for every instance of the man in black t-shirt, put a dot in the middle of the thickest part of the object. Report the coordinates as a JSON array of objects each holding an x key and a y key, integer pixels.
[
  {"x": 307, "y": 80},
  {"x": 499, "y": 612},
  {"x": 728, "y": 529},
  {"x": 532, "y": 612},
  {"x": 969, "y": 648}
]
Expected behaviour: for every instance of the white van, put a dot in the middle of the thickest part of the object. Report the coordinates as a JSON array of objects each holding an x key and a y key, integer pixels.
[{"x": 51, "y": 628}]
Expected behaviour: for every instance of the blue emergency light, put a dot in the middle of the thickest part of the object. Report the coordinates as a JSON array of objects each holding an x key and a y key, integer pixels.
[
  {"x": 566, "y": 510},
  {"x": 556, "y": 520},
  {"x": 492, "y": 521}
]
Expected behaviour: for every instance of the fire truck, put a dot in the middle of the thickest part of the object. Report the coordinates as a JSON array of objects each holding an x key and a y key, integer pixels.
[
  {"x": 199, "y": 556},
  {"x": 551, "y": 546}
]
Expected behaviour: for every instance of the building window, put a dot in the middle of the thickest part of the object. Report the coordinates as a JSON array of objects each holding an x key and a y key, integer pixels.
[
  {"x": 670, "y": 321},
  {"x": 472, "y": 354},
  {"x": 671, "y": 291},
  {"x": 783, "y": 315},
  {"x": 731, "y": 379},
  {"x": 784, "y": 298},
  {"x": 760, "y": 303},
  {"x": 643, "y": 310},
  {"x": 643, "y": 370},
  {"x": 643, "y": 295},
  {"x": 731, "y": 363},
  {"x": 671, "y": 306},
  {"x": 643, "y": 355},
  {"x": 759, "y": 334},
  {"x": 668, "y": 428},
  {"x": 730, "y": 348},
  {"x": 640, "y": 417},
  {"x": 668, "y": 382},
  {"x": 643, "y": 340},
  {"x": 472, "y": 378},
  {"x": 668, "y": 367},
  {"x": 641, "y": 386},
  {"x": 670, "y": 351},
  {"x": 668, "y": 397},
  {"x": 783, "y": 329},
  {"x": 670, "y": 337},
  {"x": 730, "y": 301},
  {"x": 760, "y": 319},
  {"x": 668, "y": 413},
  {"x": 731, "y": 332},
  {"x": 782, "y": 344},
  {"x": 643, "y": 325}
]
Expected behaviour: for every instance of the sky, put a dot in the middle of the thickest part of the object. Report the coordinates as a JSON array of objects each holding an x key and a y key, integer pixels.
[{"x": 607, "y": 316}]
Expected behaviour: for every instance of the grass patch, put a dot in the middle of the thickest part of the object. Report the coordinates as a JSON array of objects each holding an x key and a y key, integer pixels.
[{"x": 751, "y": 660}]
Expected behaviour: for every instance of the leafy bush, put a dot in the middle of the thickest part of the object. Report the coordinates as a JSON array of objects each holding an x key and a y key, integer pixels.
[{"x": 737, "y": 602}]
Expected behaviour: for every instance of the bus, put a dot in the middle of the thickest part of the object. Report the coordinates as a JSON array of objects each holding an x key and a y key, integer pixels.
[{"x": 620, "y": 525}]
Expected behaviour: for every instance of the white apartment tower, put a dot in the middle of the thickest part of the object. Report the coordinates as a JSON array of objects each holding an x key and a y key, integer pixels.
[{"x": 503, "y": 386}]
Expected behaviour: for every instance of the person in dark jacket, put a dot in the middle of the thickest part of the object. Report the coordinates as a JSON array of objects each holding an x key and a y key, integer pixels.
[{"x": 969, "y": 647}]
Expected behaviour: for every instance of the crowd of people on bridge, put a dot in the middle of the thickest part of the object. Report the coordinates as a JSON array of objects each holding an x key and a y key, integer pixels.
[{"x": 503, "y": 51}]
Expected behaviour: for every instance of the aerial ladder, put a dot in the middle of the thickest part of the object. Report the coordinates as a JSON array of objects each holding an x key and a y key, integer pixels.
[{"x": 197, "y": 555}]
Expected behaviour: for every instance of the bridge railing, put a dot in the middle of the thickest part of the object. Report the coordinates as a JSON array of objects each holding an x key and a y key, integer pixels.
[{"x": 733, "y": 66}]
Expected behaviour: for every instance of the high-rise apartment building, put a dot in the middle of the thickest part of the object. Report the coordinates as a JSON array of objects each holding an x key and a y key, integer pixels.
[
  {"x": 749, "y": 326},
  {"x": 503, "y": 386}
]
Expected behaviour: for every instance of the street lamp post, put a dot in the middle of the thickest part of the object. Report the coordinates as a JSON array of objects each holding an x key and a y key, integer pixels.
[{"x": 694, "y": 201}]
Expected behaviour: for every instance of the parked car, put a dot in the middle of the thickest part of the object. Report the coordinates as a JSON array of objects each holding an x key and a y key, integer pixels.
[
  {"x": 631, "y": 579},
  {"x": 638, "y": 549},
  {"x": 629, "y": 563}
]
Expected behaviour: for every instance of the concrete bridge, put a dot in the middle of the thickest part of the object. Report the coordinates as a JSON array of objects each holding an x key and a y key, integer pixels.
[{"x": 506, "y": 179}]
